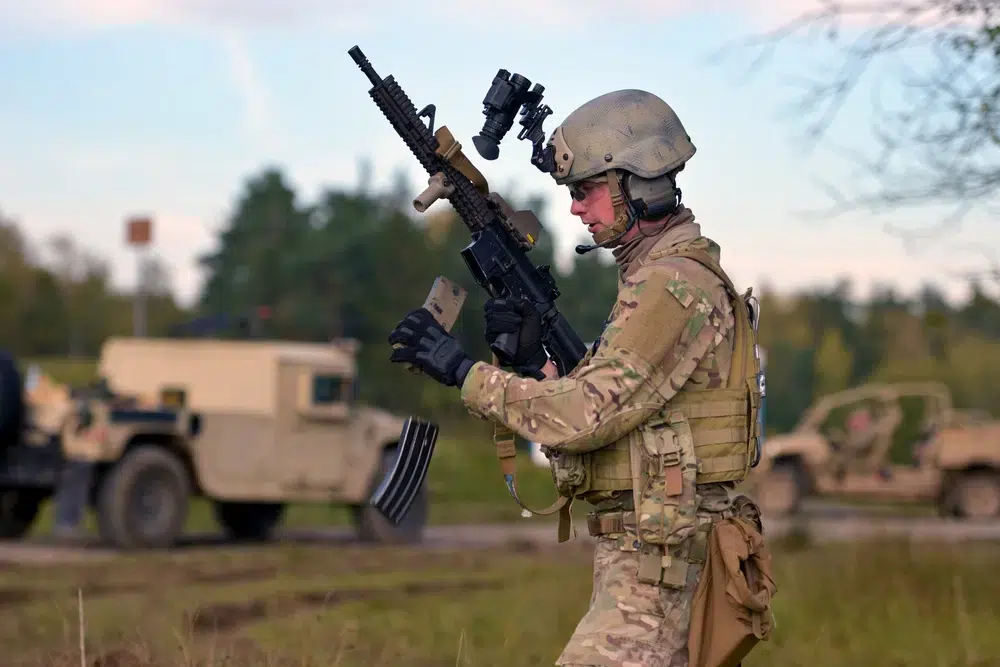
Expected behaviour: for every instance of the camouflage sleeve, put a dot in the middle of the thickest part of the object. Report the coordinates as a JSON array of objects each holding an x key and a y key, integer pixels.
[{"x": 660, "y": 329}]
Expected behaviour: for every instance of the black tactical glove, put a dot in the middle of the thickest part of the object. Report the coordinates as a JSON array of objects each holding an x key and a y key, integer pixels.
[
  {"x": 518, "y": 316},
  {"x": 426, "y": 345}
]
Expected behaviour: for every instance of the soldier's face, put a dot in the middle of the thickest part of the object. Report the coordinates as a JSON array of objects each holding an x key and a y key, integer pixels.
[{"x": 592, "y": 204}]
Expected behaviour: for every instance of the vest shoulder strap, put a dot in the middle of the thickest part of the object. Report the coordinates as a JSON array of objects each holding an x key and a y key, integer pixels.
[{"x": 744, "y": 363}]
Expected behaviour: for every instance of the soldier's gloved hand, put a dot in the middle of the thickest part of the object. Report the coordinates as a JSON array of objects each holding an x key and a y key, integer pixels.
[
  {"x": 426, "y": 345},
  {"x": 518, "y": 316}
]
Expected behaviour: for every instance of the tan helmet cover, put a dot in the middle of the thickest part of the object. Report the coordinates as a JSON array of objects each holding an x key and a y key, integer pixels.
[{"x": 630, "y": 130}]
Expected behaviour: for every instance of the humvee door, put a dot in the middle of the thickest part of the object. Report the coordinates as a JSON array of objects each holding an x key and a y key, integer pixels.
[{"x": 315, "y": 426}]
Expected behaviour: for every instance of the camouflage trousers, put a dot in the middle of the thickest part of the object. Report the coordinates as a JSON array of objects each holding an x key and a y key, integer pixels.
[{"x": 630, "y": 623}]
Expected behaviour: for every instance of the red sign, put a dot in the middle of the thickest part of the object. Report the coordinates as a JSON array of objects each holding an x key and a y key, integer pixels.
[{"x": 139, "y": 231}]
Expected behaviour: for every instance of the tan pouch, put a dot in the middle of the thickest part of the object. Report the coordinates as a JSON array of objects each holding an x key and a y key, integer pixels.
[
  {"x": 731, "y": 610},
  {"x": 568, "y": 472},
  {"x": 664, "y": 468}
]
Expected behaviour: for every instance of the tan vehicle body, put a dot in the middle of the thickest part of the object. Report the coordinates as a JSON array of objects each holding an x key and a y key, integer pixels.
[
  {"x": 957, "y": 466},
  {"x": 249, "y": 425},
  {"x": 277, "y": 420}
]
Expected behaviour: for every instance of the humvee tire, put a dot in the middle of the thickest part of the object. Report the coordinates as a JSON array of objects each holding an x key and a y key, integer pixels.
[
  {"x": 11, "y": 401},
  {"x": 249, "y": 521},
  {"x": 974, "y": 494},
  {"x": 371, "y": 526},
  {"x": 780, "y": 493},
  {"x": 125, "y": 496},
  {"x": 18, "y": 511}
]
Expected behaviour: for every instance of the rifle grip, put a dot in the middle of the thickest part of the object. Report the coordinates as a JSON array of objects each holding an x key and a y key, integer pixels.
[{"x": 505, "y": 347}]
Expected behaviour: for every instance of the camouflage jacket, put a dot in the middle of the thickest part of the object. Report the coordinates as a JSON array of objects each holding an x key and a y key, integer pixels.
[{"x": 664, "y": 332}]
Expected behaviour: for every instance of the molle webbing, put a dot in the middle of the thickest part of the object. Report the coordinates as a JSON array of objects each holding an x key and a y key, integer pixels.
[
  {"x": 719, "y": 419},
  {"x": 610, "y": 467}
]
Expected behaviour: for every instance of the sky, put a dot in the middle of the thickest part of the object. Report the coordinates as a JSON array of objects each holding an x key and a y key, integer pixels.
[{"x": 112, "y": 108}]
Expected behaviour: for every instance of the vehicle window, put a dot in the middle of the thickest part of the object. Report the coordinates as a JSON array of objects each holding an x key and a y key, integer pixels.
[{"x": 327, "y": 389}]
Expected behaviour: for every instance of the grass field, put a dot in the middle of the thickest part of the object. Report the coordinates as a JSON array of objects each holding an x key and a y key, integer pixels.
[
  {"x": 861, "y": 605},
  {"x": 851, "y": 605},
  {"x": 74, "y": 372}
]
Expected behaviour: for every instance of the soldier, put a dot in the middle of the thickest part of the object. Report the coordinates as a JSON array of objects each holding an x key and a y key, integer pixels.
[
  {"x": 81, "y": 438},
  {"x": 78, "y": 425},
  {"x": 660, "y": 414}
]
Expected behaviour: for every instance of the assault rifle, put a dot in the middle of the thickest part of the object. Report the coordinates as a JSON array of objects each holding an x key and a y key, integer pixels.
[{"x": 496, "y": 256}]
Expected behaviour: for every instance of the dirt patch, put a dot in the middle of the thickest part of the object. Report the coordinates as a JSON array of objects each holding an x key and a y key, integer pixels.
[
  {"x": 18, "y": 596},
  {"x": 119, "y": 658},
  {"x": 14, "y": 596},
  {"x": 228, "y": 616},
  {"x": 239, "y": 576},
  {"x": 71, "y": 658}
]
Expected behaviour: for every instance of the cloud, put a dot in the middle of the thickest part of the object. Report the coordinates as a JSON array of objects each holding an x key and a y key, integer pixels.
[
  {"x": 80, "y": 14},
  {"x": 84, "y": 15},
  {"x": 256, "y": 100},
  {"x": 179, "y": 239},
  {"x": 356, "y": 15}
]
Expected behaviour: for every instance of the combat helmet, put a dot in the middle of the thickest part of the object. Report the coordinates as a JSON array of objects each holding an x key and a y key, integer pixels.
[{"x": 634, "y": 140}]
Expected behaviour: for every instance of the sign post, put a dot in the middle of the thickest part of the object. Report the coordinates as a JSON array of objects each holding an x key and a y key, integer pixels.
[{"x": 139, "y": 235}]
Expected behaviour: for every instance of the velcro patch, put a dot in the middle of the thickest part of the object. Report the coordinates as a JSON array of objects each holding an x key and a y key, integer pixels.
[{"x": 682, "y": 291}]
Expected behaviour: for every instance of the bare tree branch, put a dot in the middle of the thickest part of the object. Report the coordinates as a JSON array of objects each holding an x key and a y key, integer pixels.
[{"x": 936, "y": 130}]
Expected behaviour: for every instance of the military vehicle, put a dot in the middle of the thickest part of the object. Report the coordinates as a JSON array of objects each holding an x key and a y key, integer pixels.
[
  {"x": 954, "y": 455},
  {"x": 250, "y": 425},
  {"x": 44, "y": 423}
]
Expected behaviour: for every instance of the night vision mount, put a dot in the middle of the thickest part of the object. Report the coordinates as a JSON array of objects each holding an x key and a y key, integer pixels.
[{"x": 508, "y": 96}]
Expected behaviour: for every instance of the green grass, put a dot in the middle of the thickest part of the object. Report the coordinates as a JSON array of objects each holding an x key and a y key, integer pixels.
[
  {"x": 885, "y": 604},
  {"x": 74, "y": 372},
  {"x": 869, "y": 604}
]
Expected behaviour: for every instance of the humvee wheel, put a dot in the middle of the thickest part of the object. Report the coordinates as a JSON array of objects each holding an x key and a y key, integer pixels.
[
  {"x": 18, "y": 510},
  {"x": 781, "y": 489},
  {"x": 371, "y": 526},
  {"x": 143, "y": 502},
  {"x": 975, "y": 495},
  {"x": 248, "y": 521}
]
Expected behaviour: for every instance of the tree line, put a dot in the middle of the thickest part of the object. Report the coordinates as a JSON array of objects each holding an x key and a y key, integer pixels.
[{"x": 354, "y": 261}]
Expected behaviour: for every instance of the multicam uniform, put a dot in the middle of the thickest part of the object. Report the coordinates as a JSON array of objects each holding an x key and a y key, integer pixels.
[{"x": 636, "y": 424}]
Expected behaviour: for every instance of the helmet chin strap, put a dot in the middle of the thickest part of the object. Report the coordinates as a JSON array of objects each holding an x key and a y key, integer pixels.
[{"x": 625, "y": 217}]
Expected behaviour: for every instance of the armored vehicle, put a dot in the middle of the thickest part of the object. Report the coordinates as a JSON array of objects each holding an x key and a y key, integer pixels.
[
  {"x": 250, "y": 425},
  {"x": 842, "y": 447}
]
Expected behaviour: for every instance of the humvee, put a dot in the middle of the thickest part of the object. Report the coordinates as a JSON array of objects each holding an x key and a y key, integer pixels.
[
  {"x": 954, "y": 455},
  {"x": 250, "y": 425},
  {"x": 40, "y": 426}
]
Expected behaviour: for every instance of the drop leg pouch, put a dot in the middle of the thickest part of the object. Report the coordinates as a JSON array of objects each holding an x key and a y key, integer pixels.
[{"x": 731, "y": 610}]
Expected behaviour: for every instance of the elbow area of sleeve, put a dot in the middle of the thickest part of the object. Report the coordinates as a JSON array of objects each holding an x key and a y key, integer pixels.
[{"x": 611, "y": 396}]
